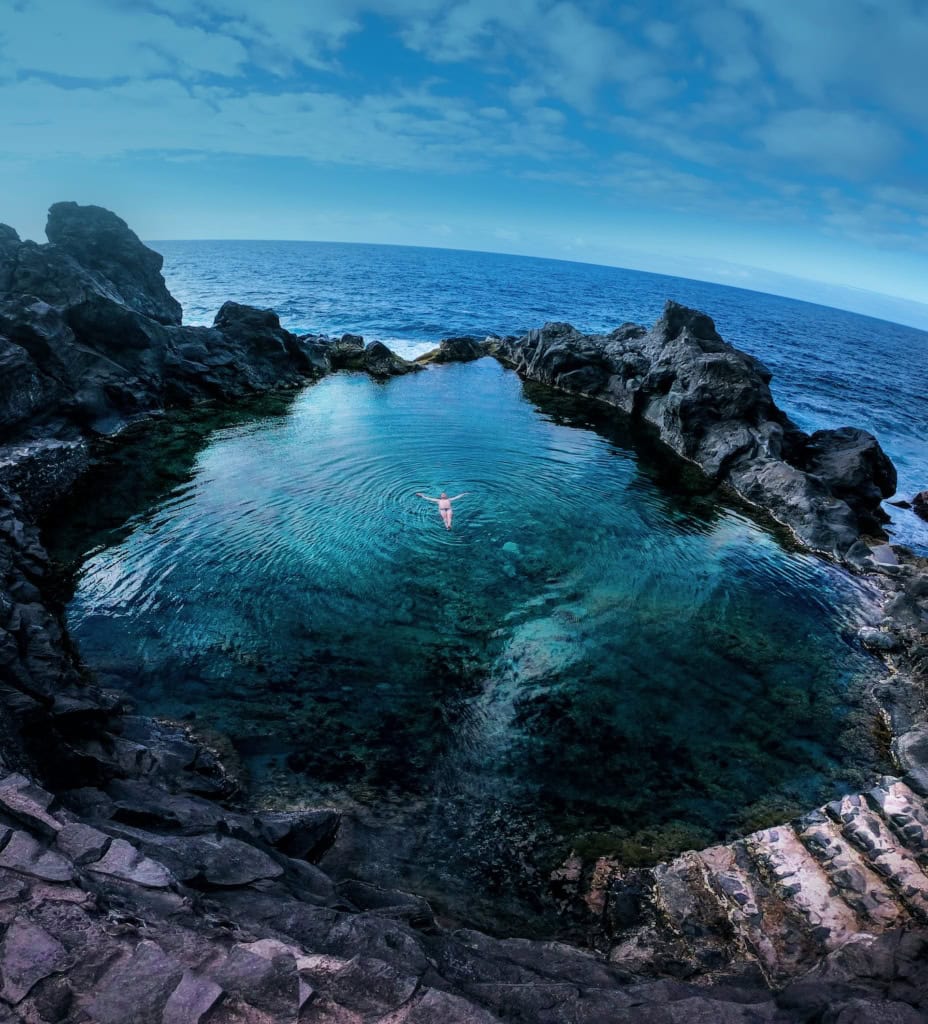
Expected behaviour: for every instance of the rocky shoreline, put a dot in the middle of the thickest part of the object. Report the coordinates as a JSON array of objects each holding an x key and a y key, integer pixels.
[{"x": 132, "y": 887}]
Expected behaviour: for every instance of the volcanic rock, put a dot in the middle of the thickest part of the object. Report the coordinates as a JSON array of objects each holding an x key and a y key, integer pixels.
[{"x": 712, "y": 404}]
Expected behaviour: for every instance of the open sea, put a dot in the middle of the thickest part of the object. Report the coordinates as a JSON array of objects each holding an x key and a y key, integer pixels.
[{"x": 603, "y": 654}]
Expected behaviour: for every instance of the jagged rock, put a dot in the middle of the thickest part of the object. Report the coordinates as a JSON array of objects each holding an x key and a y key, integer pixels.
[
  {"x": 909, "y": 607},
  {"x": 712, "y": 404},
  {"x": 142, "y": 803},
  {"x": 192, "y": 1000},
  {"x": 878, "y": 639},
  {"x": 137, "y": 989},
  {"x": 369, "y": 986},
  {"x": 269, "y": 982},
  {"x": 455, "y": 350},
  {"x": 122, "y": 860},
  {"x": 103, "y": 244},
  {"x": 23, "y": 854},
  {"x": 379, "y": 361},
  {"x": 82, "y": 844},
  {"x": 27, "y": 955},
  {"x": 217, "y": 860},
  {"x": 29, "y": 804},
  {"x": 302, "y": 834},
  {"x": 911, "y": 753},
  {"x": 920, "y": 504},
  {"x": 388, "y": 902},
  {"x": 855, "y": 468},
  {"x": 437, "y": 1007},
  {"x": 350, "y": 353}
]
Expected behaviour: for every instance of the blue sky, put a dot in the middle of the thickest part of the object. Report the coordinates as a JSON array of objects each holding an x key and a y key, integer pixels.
[{"x": 759, "y": 143}]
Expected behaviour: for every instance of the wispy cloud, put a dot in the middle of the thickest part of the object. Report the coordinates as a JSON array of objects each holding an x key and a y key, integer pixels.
[{"x": 745, "y": 110}]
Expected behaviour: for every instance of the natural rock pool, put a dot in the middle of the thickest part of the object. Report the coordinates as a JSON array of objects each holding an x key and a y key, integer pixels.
[{"x": 602, "y": 654}]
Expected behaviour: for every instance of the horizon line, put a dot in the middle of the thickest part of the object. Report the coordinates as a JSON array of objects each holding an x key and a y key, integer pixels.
[{"x": 920, "y": 306}]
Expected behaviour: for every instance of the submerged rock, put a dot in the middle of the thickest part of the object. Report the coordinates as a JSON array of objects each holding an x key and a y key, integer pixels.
[{"x": 712, "y": 404}]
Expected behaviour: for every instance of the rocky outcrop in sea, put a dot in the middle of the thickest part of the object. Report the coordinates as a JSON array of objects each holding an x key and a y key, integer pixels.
[
  {"x": 137, "y": 884},
  {"x": 712, "y": 404}
]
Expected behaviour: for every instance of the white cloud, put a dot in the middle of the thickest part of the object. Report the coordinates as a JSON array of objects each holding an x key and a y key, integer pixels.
[
  {"x": 864, "y": 50},
  {"x": 97, "y": 40},
  {"x": 408, "y": 129},
  {"x": 843, "y": 143}
]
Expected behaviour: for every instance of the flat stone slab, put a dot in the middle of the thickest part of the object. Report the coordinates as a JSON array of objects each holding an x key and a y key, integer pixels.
[
  {"x": 25, "y": 801},
  {"x": 27, "y": 955},
  {"x": 82, "y": 843},
  {"x": 123, "y": 860},
  {"x": 137, "y": 989},
  {"x": 23, "y": 854}
]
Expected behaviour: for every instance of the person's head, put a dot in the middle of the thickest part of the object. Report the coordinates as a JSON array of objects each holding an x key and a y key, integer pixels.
[{"x": 442, "y": 495}]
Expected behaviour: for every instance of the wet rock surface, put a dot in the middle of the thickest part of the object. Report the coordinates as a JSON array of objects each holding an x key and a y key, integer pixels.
[{"x": 133, "y": 886}]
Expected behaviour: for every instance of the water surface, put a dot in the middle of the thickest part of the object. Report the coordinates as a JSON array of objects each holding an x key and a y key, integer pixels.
[
  {"x": 831, "y": 367},
  {"x": 600, "y": 652}
]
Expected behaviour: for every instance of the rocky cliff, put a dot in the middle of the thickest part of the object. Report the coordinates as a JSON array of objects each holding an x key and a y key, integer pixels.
[{"x": 136, "y": 885}]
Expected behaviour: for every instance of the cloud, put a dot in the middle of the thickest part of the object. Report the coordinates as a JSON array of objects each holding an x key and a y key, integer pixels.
[
  {"x": 98, "y": 41},
  {"x": 407, "y": 129},
  {"x": 845, "y": 143},
  {"x": 865, "y": 51}
]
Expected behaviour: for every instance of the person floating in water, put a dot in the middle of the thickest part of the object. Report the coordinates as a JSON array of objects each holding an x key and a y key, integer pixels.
[{"x": 444, "y": 505}]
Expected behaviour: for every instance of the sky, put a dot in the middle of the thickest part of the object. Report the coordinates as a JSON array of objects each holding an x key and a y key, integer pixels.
[{"x": 779, "y": 146}]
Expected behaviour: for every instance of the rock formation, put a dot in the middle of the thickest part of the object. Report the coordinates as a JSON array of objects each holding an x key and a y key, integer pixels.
[
  {"x": 456, "y": 350},
  {"x": 712, "y": 404},
  {"x": 920, "y": 504},
  {"x": 136, "y": 885}
]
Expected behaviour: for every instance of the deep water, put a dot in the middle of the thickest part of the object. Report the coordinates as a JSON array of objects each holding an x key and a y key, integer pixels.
[
  {"x": 601, "y": 654},
  {"x": 831, "y": 368}
]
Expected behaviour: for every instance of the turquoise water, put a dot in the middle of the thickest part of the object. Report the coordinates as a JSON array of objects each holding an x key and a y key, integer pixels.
[
  {"x": 599, "y": 651},
  {"x": 831, "y": 368}
]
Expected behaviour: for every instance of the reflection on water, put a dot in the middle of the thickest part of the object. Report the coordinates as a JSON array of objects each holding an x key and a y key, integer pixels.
[{"x": 598, "y": 651}]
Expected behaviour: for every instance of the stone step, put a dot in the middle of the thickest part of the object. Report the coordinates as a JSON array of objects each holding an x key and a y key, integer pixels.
[
  {"x": 886, "y": 854},
  {"x": 905, "y": 813},
  {"x": 803, "y": 885},
  {"x": 862, "y": 888},
  {"x": 765, "y": 927}
]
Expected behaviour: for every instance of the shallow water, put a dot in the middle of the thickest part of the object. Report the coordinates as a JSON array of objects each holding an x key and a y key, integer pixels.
[
  {"x": 599, "y": 651},
  {"x": 831, "y": 368}
]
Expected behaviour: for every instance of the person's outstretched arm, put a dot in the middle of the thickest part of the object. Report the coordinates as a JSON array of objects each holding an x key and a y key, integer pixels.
[
  {"x": 461, "y": 495},
  {"x": 419, "y": 494}
]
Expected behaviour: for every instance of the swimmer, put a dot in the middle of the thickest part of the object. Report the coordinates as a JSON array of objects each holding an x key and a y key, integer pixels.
[{"x": 444, "y": 505}]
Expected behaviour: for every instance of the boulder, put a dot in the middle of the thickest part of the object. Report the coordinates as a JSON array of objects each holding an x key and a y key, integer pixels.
[
  {"x": 305, "y": 835},
  {"x": 920, "y": 504},
  {"x": 854, "y": 468},
  {"x": 455, "y": 350},
  {"x": 137, "y": 989},
  {"x": 379, "y": 361},
  {"x": 22, "y": 799}
]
